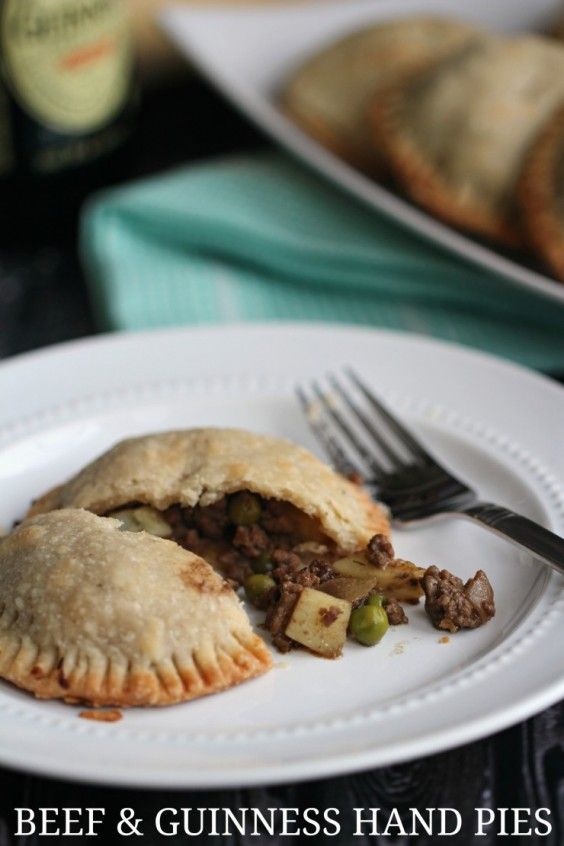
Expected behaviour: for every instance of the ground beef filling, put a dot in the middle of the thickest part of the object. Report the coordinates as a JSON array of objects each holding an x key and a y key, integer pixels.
[
  {"x": 276, "y": 551},
  {"x": 278, "y": 535},
  {"x": 246, "y": 535},
  {"x": 453, "y": 605},
  {"x": 290, "y": 579}
]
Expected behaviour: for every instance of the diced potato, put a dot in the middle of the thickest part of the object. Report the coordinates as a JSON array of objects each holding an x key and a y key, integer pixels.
[
  {"x": 320, "y": 622},
  {"x": 351, "y": 589},
  {"x": 127, "y": 517},
  {"x": 144, "y": 519},
  {"x": 400, "y": 580},
  {"x": 354, "y": 567},
  {"x": 153, "y": 522}
]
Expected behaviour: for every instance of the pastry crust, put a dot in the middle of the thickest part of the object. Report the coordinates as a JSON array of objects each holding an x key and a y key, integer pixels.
[
  {"x": 329, "y": 94},
  {"x": 456, "y": 131},
  {"x": 201, "y": 466},
  {"x": 94, "y": 614},
  {"x": 541, "y": 193}
]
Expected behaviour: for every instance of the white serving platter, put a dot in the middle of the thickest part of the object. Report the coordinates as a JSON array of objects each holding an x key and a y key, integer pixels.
[{"x": 248, "y": 52}]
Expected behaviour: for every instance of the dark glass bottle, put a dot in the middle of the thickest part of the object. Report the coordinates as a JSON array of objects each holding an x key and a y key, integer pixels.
[{"x": 67, "y": 96}]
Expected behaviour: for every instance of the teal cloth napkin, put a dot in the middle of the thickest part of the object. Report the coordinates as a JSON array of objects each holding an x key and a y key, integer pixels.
[{"x": 260, "y": 237}]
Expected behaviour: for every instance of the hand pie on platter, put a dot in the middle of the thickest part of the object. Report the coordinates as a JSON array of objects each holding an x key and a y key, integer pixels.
[
  {"x": 94, "y": 614},
  {"x": 456, "y": 133},
  {"x": 329, "y": 94},
  {"x": 542, "y": 193}
]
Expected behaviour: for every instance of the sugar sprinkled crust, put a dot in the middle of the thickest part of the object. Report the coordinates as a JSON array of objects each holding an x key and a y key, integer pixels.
[
  {"x": 541, "y": 193},
  {"x": 203, "y": 465},
  {"x": 90, "y": 613},
  {"x": 329, "y": 93},
  {"x": 492, "y": 97}
]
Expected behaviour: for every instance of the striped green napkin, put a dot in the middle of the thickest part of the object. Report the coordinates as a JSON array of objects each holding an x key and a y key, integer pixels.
[{"x": 259, "y": 237}]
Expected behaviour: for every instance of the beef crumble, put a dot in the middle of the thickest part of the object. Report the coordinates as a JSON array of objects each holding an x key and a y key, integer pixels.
[
  {"x": 279, "y": 613},
  {"x": 211, "y": 520},
  {"x": 396, "y": 614},
  {"x": 380, "y": 552},
  {"x": 251, "y": 541},
  {"x": 277, "y": 519},
  {"x": 453, "y": 605}
]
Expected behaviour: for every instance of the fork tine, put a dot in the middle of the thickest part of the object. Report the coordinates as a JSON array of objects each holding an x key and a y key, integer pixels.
[
  {"x": 349, "y": 434},
  {"x": 337, "y": 456},
  {"x": 375, "y": 435},
  {"x": 402, "y": 434}
]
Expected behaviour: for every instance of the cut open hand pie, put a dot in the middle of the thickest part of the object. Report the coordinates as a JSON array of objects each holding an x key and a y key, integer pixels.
[
  {"x": 329, "y": 94},
  {"x": 542, "y": 193},
  {"x": 94, "y": 614},
  {"x": 456, "y": 133},
  {"x": 229, "y": 495}
]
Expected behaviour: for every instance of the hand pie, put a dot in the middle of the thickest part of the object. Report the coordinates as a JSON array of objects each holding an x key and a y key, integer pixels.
[
  {"x": 233, "y": 497},
  {"x": 456, "y": 133},
  {"x": 94, "y": 614},
  {"x": 329, "y": 94},
  {"x": 542, "y": 193}
]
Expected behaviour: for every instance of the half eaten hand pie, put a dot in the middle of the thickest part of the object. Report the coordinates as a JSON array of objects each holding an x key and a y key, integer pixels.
[
  {"x": 234, "y": 497},
  {"x": 91, "y": 613}
]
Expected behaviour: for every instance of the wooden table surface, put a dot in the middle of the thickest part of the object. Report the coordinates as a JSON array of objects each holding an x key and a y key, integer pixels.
[{"x": 42, "y": 301}]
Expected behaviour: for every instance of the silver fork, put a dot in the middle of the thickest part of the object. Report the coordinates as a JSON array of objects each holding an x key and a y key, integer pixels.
[{"x": 400, "y": 472}]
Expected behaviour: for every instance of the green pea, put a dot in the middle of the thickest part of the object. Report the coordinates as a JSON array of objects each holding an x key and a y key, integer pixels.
[
  {"x": 262, "y": 564},
  {"x": 369, "y": 624},
  {"x": 244, "y": 509},
  {"x": 257, "y": 587},
  {"x": 375, "y": 599}
]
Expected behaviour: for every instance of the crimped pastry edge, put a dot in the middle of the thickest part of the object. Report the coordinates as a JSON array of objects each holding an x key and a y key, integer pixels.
[
  {"x": 537, "y": 200},
  {"x": 165, "y": 683}
]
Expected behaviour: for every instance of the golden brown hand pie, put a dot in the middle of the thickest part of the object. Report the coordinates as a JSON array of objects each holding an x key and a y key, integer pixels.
[
  {"x": 542, "y": 193},
  {"x": 91, "y": 613},
  {"x": 456, "y": 134},
  {"x": 329, "y": 94},
  {"x": 200, "y": 467}
]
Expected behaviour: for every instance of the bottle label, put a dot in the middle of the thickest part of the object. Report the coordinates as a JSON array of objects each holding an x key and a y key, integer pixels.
[{"x": 68, "y": 61}]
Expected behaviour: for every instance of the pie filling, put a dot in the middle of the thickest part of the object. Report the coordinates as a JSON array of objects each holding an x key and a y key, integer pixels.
[
  {"x": 240, "y": 535},
  {"x": 312, "y": 595}
]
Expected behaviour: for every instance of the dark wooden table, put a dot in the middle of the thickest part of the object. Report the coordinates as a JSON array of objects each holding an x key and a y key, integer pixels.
[{"x": 43, "y": 301}]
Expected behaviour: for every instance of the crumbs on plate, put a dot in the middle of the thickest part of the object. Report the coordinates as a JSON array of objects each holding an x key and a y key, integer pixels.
[{"x": 108, "y": 716}]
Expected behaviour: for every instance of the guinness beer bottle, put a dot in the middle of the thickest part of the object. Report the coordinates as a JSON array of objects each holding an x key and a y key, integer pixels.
[{"x": 66, "y": 102}]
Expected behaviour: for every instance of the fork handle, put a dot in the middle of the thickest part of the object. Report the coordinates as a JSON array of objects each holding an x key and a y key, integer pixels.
[{"x": 521, "y": 531}]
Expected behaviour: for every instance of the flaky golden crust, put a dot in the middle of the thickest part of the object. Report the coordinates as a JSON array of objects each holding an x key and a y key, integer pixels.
[
  {"x": 203, "y": 465},
  {"x": 456, "y": 130},
  {"x": 541, "y": 193},
  {"x": 90, "y": 613},
  {"x": 328, "y": 94}
]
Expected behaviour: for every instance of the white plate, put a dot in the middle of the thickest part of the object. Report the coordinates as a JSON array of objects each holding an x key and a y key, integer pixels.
[
  {"x": 498, "y": 425},
  {"x": 248, "y": 52}
]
